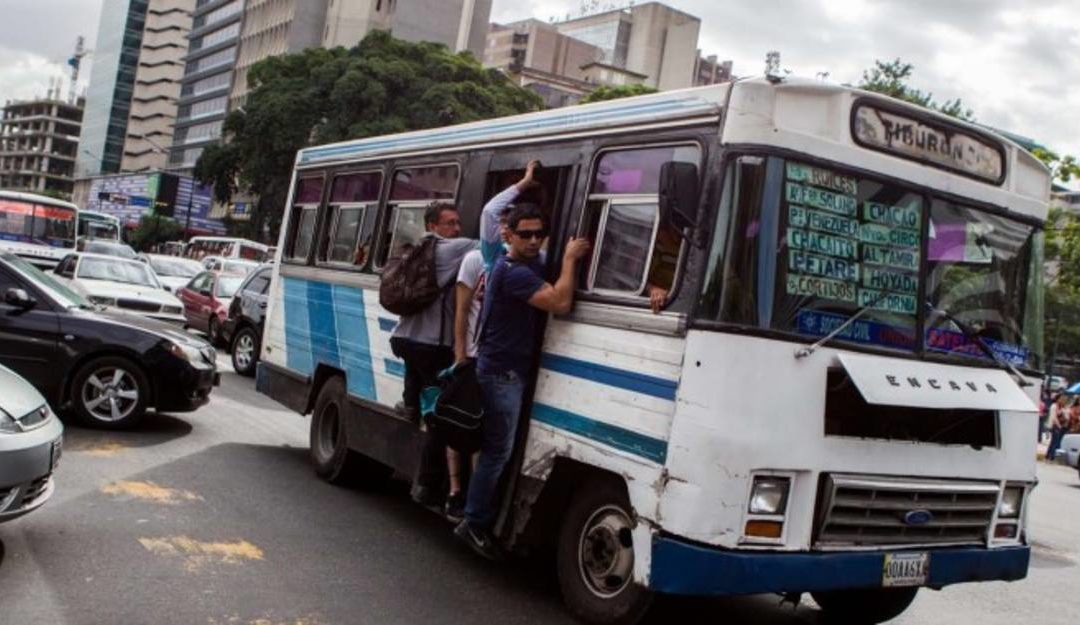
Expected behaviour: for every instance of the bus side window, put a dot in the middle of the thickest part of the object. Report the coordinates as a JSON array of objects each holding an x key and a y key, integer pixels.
[
  {"x": 412, "y": 190},
  {"x": 347, "y": 240},
  {"x": 633, "y": 250},
  {"x": 304, "y": 211}
]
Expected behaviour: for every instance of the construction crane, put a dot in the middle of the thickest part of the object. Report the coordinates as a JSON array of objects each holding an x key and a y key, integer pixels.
[{"x": 74, "y": 62}]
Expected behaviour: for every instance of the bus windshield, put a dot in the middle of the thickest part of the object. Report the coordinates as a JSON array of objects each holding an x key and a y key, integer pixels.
[
  {"x": 805, "y": 247},
  {"x": 94, "y": 227},
  {"x": 27, "y": 222}
]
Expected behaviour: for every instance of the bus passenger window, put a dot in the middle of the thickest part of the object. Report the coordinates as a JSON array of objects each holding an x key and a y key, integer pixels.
[
  {"x": 347, "y": 240},
  {"x": 305, "y": 209},
  {"x": 412, "y": 190}
]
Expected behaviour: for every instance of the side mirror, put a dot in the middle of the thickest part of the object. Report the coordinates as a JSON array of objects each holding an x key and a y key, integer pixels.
[
  {"x": 18, "y": 298},
  {"x": 679, "y": 194},
  {"x": 205, "y": 292},
  {"x": 167, "y": 288}
]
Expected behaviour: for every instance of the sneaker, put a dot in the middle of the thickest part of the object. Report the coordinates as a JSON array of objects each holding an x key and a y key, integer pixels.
[
  {"x": 478, "y": 540},
  {"x": 455, "y": 507},
  {"x": 427, "y": 496}
]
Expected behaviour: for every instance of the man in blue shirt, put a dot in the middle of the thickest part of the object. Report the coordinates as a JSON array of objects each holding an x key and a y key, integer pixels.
[{"x": 516, "y": 296}]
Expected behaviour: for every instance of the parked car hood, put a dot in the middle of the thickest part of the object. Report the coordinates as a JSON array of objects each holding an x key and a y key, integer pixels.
[
  {"x": 106, "y": 288},
  {"x": 174, "y": 282},
  {"x": 17, "y": 396}
]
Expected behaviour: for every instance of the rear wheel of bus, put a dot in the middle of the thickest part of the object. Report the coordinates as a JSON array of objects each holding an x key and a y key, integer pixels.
[
  {"x": 329, "y": 442},
  {"x": 595, "y": 556},
  {"x": 874, "y": 605}
]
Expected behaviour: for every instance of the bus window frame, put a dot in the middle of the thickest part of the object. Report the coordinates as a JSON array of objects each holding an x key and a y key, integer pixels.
[
  {"x": 296, "y": 209},
  {"x": 584, "y": 291},
  {"x": 388, "y": 214},
  {"x": 733, "y": 152},
  {"x": 325, "y": 233}
]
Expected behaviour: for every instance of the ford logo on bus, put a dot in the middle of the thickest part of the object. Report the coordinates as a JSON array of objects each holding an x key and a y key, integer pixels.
[{"x": 918, "y": 517}]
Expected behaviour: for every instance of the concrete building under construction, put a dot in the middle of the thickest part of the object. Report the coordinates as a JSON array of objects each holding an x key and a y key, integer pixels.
[{"x": 39, "y": 141}]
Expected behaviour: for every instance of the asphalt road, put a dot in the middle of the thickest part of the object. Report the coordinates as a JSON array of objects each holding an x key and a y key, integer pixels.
[{"x": 215, "y": 518}]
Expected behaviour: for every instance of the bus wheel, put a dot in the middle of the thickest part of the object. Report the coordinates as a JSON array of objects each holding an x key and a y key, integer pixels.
[
  {"x": 873, "y": 605},
  {"x": 595, "y": 557},
  {"x": 330, "y": 453}
]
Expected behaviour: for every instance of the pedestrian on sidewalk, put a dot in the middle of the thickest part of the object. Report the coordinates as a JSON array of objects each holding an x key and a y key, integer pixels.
[{"x": 1057, "y": 422}]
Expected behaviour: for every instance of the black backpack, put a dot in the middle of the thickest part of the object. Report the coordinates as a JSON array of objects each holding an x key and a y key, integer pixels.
[
  {"x": 409, "y": 282},
  {"x": 458, "y": 413}
]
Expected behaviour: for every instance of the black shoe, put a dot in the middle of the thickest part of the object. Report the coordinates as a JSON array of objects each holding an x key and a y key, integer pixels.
[
  {"x": 455, "y": 507},
  {"x": 478, "y": 540},
  {"x": 427, "y": 496}
]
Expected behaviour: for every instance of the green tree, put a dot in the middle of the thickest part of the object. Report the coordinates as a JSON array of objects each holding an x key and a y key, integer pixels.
[
  {"x": 891, "y": 79},
  {"x": 381, "y": 86},
  {"x": 153, "y": 229},
  {"x": 603, "y": 93}
]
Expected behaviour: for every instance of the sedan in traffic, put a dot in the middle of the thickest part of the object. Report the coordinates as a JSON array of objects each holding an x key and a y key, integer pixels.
[
  {"x": 172, "y": 272},
  {"x": 30, "y": 444},
  {"x": 104, "y": 366},
  {"x": 206, "y": 300},
  {"x": 127, "y": 285},
  {"x": 244, "y": 326}
]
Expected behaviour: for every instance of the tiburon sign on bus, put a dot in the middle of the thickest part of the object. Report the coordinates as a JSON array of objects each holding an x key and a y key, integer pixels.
[{"x": 905, "y": 136}]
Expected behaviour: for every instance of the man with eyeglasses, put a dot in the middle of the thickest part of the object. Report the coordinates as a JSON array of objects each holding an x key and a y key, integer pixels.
[{"x": 516, "y": 295}]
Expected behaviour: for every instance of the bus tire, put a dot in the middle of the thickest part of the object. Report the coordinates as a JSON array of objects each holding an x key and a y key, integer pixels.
[
  {"x": 865, "y": 605},
  {"x": 329, "y": 443},
  {"x": 595, "y": 557}
]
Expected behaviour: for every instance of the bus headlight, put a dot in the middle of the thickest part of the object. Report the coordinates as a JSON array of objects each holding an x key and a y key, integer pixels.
[
  {"x": 1011, "y": 501},
  {"x": 769, "y": 495}
]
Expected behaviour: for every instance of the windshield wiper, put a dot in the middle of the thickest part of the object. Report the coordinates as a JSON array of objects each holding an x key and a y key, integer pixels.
[
  {"x": 803, "y": 352},
  {"x": 972, "y": 335}
]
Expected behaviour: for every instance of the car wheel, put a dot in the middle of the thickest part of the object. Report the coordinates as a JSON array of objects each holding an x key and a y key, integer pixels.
[
  {"x": 868, "y": 605},
  {"x": 329, "y": 442},
  {"x": 213, "y": 331},
  {"x": 111, "y": 393},
  {"x": 595, "y": 557},
  {"x": 245, "y": 352}
]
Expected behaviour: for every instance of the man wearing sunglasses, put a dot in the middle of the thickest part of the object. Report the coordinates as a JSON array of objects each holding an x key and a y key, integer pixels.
[{"x": 516, "y": 296}]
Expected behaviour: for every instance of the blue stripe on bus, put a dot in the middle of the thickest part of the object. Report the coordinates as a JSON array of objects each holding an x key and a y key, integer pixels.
[
  {"x": 297, "y": 330},
  {"x": 619, "y": 378},
  {"x": 622, "y": 439},
  {"x": 353, "y": 341},
  {"x": 386, "y": 325},
  {"x": 394, "y": 368},
  {"x": 322, "y": 324}
]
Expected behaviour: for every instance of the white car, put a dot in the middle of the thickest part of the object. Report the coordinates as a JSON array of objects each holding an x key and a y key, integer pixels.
[
  {"x": 1070, "y": 447},
  {"x": 236, "y": 266},
  {"x": 30, "y": 444},
  {"x": 172, "y": 272},
  {"x": 127, "y": 285}
]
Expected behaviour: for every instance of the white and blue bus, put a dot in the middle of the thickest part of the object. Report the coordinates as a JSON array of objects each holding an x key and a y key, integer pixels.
[
  {"x": 835, "y": 399},
  {"x": 40, "y": 229},
  {"x": 98, "y": 227}
]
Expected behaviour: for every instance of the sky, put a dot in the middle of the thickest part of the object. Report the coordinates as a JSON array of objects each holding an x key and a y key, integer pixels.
[{"x": 1016, "y": 63}]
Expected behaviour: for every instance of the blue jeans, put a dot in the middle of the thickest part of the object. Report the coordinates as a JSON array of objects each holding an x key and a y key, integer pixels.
[
  {"x": 1056, "y": 434},
  {"x": 502, "y": 405}
]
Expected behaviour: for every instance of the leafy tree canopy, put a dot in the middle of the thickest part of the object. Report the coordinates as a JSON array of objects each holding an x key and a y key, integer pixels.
[
  {"x": 153, "y": 229},
  {"x": 613, "y": 93},
  {"x": 381, "y": 86},
  {"x": 891, "y": 79}
]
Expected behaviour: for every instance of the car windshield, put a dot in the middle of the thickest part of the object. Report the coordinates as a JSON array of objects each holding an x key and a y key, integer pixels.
[
  {"x": 116, "y": 270},
  {"x": 112, "y": 249},
  {"x": 174, "y": 267},
  {"x": 63, "y": 295},
  {"x": 227, "y": 285},
  {"x": 805, "y": 247}
]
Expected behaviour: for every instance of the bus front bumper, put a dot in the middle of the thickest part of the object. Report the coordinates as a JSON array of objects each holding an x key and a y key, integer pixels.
[{"x": 683, "y": 568}]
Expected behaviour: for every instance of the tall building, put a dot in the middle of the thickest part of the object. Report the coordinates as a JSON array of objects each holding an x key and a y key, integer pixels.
[
  {"x": 650, "y": 38},
  {"x": 710, "y": 71},
  {"x": 207, "y": 80},
  {"x": 39, "y": 140},
  {"x": 157, "y": 85},
  {"x": 112, "y": 82},
  {"x": 458, "y": 24}
]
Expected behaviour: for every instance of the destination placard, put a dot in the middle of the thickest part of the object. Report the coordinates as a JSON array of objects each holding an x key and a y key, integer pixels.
[
  {"x": 803, "y": 217},
  {"x": 822, "y": 243},
  {"x": 902, "y": 259},
  {"x": 817, "y": 323},
  {"x": 888, "y": 280},
  {"x": 824, "y": 266},
  {"x": 939, "y": 144},
  {"x": 820, "y": 198},
  {"x": 889, "y": 302},
  {"x": 900, "y": 216},
  {"x": 822, "y": 178},
  {"x": 940, "y": 340},
  {"x": 821, "y": 287},
  {"x": 884, "y": 235}
]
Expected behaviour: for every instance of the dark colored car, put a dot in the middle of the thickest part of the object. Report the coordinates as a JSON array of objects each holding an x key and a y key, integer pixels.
[
  {"x": 107, "y": 368},
  {"x": 206, "y": 301},
  {"x": 244, "y": 327}
]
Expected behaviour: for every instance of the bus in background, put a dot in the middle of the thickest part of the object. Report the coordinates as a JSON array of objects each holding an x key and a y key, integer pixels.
[
  {"x": 98, "y": 226},
  {"x": 38, "y": 228},
  {"x": 226, "y": 247},
  {"x": 835, "y": 399}
]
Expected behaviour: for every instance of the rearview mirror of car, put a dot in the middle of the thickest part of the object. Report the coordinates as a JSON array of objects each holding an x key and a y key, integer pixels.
[{"x": 19, "y": 299}]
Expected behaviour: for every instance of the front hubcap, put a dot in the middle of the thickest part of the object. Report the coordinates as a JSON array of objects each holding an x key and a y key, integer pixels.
[
  {"x": 245, "y": 351},
  {"x": 110, "y": 394},
  {"x": 606, "y": 551},
  {"x": 329, "y": 431}
]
